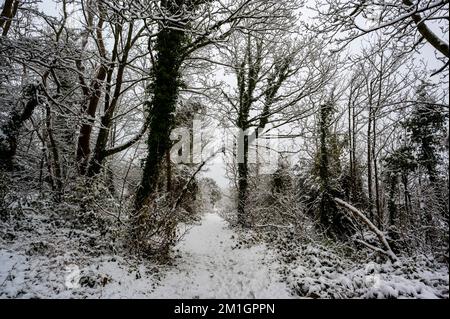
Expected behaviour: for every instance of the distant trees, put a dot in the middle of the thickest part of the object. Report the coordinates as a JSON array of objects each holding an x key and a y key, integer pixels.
[
  {"x": 211, "y": 191},
  {"x": 417, "y": 164}
]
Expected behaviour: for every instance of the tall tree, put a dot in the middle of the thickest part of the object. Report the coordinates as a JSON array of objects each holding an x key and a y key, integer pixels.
[
  {"x": 269, "y": 91},
  {"x": 166, "y": 74},
  {"x": 96, "y": 88},
  {"x": 328, "y": 170},
  {"x": 426, "y": 127}
]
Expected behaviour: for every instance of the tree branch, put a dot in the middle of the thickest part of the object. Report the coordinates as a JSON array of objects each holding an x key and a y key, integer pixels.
[{"x": 355, "y": 212}]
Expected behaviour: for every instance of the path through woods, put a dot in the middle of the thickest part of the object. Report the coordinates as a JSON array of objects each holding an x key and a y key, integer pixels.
[{"x": 211, "y": 267}]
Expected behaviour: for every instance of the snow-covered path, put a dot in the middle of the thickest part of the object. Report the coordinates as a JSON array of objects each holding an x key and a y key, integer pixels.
[{"x": 211, "y": 268}]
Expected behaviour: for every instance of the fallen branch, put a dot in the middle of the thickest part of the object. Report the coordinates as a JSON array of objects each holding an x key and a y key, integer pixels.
[
  {"x": 377, "y": 249},
  {"x": 388, "y": 251}
]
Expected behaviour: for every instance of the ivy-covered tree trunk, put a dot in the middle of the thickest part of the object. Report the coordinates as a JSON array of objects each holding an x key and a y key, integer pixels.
[
  {"x": 332, "y": 220},
  {"x": 165, "y": 89},
  {"x": 247, "y": 77}
]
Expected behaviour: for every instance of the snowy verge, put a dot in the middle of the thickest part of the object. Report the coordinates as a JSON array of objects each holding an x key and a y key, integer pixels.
[{"x": 314, "y": 271}]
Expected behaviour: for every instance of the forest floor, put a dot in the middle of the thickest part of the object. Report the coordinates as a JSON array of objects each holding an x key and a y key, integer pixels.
[{"x": 42, "y": 256}]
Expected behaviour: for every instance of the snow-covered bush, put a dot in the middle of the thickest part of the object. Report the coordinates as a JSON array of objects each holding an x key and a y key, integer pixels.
[{"x": 315, "y": 271}]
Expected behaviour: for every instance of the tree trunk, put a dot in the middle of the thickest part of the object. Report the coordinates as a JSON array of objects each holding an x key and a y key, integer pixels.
[
  {"x": 376, "y": 178},
  {"x": 351, "y": 187},
  {"x": 369, "y": 165},
  {"x": 55, "y": 155},
  {"x": 99, "y": 155},
  {"x": 8, "y": 13},
  {"x": 84, "y": 139},
  {"x": 165, "y": 89},
  {"x": 8, "y": 142},
  {"x": 356, "y": 189},
  {"x": 243, "y": 184},
  {"x": 169, "y": 172}
]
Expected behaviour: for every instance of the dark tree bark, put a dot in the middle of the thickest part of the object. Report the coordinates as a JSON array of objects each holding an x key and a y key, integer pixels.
[
  {"x": 8, "y": 13},
  {"x": 8, "y": 141},
  {"x": 93, "y": 99},
  {"x": 247, "y": 77},
  {"x": 350, "y": 144},
  {"x": 376, "y": 175},
  {"x": 427, "y": 33},
  {"x": 55, "y": 154},
  {"x": 243, "y": 184},
  {"x": 166, "y": 85},
  {"x": 111, "y": 102},
  {"x": 369, "y": 165},
  {"x": 169, "y": 172},
  {"x": 84, "y": 139}
]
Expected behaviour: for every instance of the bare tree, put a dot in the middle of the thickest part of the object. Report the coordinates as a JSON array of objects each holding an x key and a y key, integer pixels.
[
  {"x": 274, "y": 73},
  {"x": 407, "y": 23}
]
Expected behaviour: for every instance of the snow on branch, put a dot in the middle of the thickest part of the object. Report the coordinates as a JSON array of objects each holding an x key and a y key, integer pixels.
[{"x": 356, "y": 213}]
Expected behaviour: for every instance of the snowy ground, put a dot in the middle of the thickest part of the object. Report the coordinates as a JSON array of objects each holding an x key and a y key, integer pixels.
[
  {"x": 208, "y": 266},
  {"x": 317, "y": 273},
  {"x": 57, "y": 255},
  {"x": 213, "y": 267}
]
